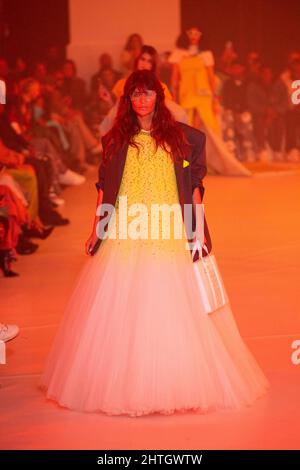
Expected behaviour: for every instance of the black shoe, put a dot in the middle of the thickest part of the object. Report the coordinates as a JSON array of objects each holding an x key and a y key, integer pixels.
[
  {"x": 81, "y": 169},
  {"x": 52, "y": 217},
  {"x": 59, "y": 221},
  {"x": 38, "y": 233},
  {"x": 78, "y": 167},
  {"x": 5, "y": 260},
  {"x": 26, "y": 247}
]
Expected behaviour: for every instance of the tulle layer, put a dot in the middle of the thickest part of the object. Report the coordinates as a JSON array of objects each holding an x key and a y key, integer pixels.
[{"x": 134, "y": 340}]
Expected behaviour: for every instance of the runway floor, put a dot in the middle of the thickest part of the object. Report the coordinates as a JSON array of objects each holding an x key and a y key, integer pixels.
[{"x": 255, "y": 227}]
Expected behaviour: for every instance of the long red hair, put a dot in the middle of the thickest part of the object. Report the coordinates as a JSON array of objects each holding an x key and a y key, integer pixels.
[{"x": 165, "y": 130}]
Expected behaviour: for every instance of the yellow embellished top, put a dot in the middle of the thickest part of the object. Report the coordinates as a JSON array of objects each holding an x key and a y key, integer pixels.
[{"x": 148, "y": 211}]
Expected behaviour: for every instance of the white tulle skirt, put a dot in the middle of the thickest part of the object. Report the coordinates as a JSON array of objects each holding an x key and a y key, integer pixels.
[{"x": 134, "y": 339}]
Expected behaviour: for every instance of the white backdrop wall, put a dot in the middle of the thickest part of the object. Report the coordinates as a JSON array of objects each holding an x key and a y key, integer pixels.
[{"x": 98, "y": 26}]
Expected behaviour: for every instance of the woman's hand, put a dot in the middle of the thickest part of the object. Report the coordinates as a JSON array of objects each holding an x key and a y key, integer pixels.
[
  {"x": 196, "y": 246},
  {"x": 91, "y": 243}
]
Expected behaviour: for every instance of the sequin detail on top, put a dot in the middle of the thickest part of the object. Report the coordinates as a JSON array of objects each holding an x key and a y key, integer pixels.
[{"x": 149, "y": 178}]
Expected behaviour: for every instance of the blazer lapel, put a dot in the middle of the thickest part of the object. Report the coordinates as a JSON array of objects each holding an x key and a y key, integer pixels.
[
  {"x": 178, "y": 166},
  {"x": 185, "y": 197},
  {"x": 123, "y": 155},
  {"x": 118, "y": 169}
]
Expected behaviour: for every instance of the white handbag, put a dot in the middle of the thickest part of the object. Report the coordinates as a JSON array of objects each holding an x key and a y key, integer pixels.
[{"x": 211, "y": 288}]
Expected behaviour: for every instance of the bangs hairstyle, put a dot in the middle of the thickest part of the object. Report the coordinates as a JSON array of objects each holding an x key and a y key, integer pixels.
[{"x": 166, "y": 132}]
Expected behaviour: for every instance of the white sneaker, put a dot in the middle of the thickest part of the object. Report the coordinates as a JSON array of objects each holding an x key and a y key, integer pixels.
[
  {"x": 57, "y": 200},
  {"x": 8, "y": 332},
  {"x": 70, "y": 178}
]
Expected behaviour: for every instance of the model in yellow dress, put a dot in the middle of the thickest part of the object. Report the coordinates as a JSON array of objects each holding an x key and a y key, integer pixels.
[
  {"x": 195, "y": 93},
  {"x": 194, "y": 86},
  {"x": 135, "y": 339}
]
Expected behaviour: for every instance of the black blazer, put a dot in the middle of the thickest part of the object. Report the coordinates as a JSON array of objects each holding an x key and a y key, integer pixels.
[{"x": 188, "y": 177}]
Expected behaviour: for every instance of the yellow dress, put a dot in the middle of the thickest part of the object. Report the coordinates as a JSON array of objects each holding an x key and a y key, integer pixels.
[
  {"x": 195, "y": 92},
  {"x": 149, "y": 188},
  {"x": 135, "y": 338},
  {"x": 195, "y": 95}
]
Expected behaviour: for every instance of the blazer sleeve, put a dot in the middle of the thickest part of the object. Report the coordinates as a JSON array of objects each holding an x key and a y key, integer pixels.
[
  {"x": 198, "y": 163},
  {"x": 101, "y": 170}
]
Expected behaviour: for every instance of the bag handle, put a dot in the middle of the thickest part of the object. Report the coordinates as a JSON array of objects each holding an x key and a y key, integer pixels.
[{"x": 199, "y": 243}]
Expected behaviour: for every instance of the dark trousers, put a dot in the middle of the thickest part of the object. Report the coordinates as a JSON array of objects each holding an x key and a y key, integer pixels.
[
  {"x": 293, "y": 129},
  {"x": 276, "y": 132},
  {"x": 259, "y": 130}
]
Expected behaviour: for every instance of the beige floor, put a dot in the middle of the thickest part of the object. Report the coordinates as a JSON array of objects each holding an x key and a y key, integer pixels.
[{"x": 254, "y": 223}]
